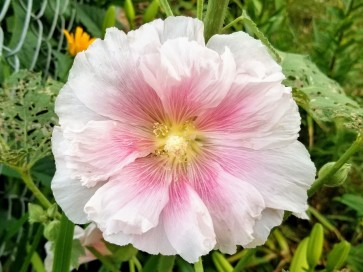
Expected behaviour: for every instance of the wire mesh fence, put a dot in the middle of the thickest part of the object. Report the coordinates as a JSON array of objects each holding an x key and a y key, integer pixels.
[{"x": 31, "y": 33}]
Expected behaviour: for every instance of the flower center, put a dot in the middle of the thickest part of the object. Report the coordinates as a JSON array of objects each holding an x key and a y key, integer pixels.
[
  {"x": 177, "y": 142},
  {"x": 176, "y": 146}
]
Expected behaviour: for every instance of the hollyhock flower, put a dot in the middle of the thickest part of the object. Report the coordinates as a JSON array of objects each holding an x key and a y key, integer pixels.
[
  {"x": 177, "y": 146},
  {"x": 78, "y": 41},
  {"x": 91, "y": 236}
]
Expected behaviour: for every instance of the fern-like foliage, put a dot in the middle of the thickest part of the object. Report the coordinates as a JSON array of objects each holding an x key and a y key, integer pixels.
[{"x": 26, "y": 118}]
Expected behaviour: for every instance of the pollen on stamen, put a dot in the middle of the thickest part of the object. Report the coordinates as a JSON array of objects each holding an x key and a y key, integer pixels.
[
  {"x": 177, "y": 146},
  {"x": 160, "y": 130}
]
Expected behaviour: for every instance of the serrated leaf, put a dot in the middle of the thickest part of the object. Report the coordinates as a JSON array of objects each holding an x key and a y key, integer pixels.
[
  {"x": 319, "y": 95},
  {"x": 26, "y": 118}
]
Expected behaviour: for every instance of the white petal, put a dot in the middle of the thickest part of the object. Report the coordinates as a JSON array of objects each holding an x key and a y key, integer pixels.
[
  {"x": 153, "y": 241},
  {"x": 251, "y": 56},
  {"x": 131, "y": 202},
  {"x": 234, "y": 205},
  {"x": 187, "y": 222},
  {"x": 180, "y": 26},
  {"x": 281, "y": 175},
  {"x": 185, "y": 84},
  {"x": 101, "y": 149},
  {"x": 107, "y": 80},
  {"x": 67, "y": 105},
  {"x": 68, "y": 192},
  {"x": 256, "y": 115},
  {"x": 270, "y": 218}
]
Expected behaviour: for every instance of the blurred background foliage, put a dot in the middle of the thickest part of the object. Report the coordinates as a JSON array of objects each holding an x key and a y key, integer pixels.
[{"x": 327, "y": 35}]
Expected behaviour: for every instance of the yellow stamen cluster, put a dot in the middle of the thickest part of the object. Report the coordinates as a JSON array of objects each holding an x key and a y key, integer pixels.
[
  {"x": 176, "y": 142},
  {"x": 77, "y": 42}
]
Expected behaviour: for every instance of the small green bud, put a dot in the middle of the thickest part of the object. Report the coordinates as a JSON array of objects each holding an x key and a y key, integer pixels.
[
  {"x": 110, "y": 19},
  {"x": 36, "y": 214},
  {"x": 338, "y": 178},
  {"x": 299, "y": 262},
  {"x": 151, "y": 11},
  {"x": 315, "y": 245},
  {"x": 52, "y": 211},
  {"x": 338, "y": 256},
  {"x": 51, "y": 230},
  {"x": 129, "y": 11}
]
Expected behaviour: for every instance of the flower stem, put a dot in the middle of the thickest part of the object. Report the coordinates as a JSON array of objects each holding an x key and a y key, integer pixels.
[
  {"x": 214, "y": 18},
  {"x": 25, "y": 175},
  {"x": 342, "y": 160},
  {"x": 166, "y": 7},
  {"x": 200, "y": 4},
  {"x": 198, "y": 266}
]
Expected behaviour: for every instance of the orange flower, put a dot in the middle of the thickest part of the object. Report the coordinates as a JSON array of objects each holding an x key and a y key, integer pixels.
[{"x": 78, "y": 41}]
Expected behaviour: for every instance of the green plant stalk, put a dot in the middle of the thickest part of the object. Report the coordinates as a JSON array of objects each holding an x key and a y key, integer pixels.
[
  {"x": 198, "y": 266},
  {"x": 25, "y": 175},
  {"x": 342, "y": 160},
  {"x": 106, "y": 263},
  {"x": 132, "y": 266},
  {"x": 31, "y": 251},
  {"x": 214, "y": 18},
  {"x": 200, "y": 5},
  {"x": 165, "y": 6},
  {"x": 137, "y": 263},
  {"x": 63, "y": 246},
  {"x": 310, "y": 122},
  {"x": 244, "y": 260},
  {"x": 325, "y": 222}
]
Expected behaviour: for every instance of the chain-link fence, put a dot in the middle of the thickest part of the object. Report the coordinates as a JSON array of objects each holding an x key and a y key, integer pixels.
[{"x": 31, "y": 33}]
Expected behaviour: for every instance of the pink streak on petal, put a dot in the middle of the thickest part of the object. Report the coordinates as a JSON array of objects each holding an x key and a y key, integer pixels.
[
  {"x": 101, "y": 149},
  {"x": 281, "y": 175},
  {"x": 257, "y": 115},
  {"x": 116, "y": 90},
  {"x": 187, "y": 223},
  {"x": 233, "y": 203},
  {"x": 132, "y": 201},
  {"x": 186, "y": 85}
]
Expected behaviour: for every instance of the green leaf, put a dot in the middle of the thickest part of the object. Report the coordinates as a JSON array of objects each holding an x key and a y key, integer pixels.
[
  {"x": 122, "y": 253},
  {"x": 183, "y": 266},
  {"x": 27, "y": 118},
  {"x": 355, "y": 258},
  {"x": 63, "y": 246},
  {"x": 91, "y": 17},
  {"x": 166, "y": 263},
  {"x": 319, "y": 95},
  {"x": 151, "y": 263},
  {"x": 353, "y": 201}
]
